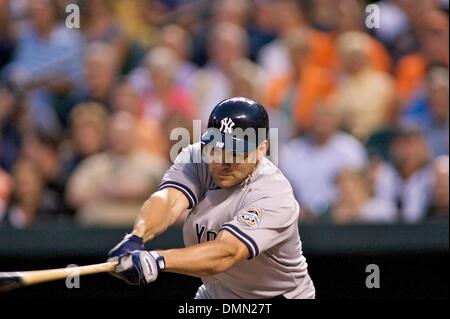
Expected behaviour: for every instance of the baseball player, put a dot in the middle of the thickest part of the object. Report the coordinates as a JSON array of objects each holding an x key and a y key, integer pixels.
[{"x": 241, "y": 233}]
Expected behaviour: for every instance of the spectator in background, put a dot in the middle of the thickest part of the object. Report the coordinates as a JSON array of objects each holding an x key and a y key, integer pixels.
[
  {"x": 167, "y": 101},
  {"x": 100, "y": 25},
  {"x": 355, "y": 202},
  {"x": 108, "y": 189},
  {"x": 6, "y": 188},
  {"x": 349, "y": 18},
  {"x": 323, "y": 14},
  {"x": 396, "y": 30},
  {"x": 293, "y": 96},
  {"x": 244, "y": 80},
  {"x": 262, "y": 31},
  {"x": 87, "y": 135},
  {"x": 231, "y": 11},
  {"x": 43, "y": 151},
  {"x": 407, "y": 182},
  {"x": 256, "y": 17},
  {"x": 430, "y": 110},
  {"x": 46, "y": 63},
  {"x": 10, "y": 137},
  {"x": 139, "y": 20},
  {"x": 31, "y": 202},
  {"x": 150, "y": 135},
  {"x": 439, "y": 206},
  {"x": 431, "y": 26},
  {"x": 227, "y": 45},
  {"x": 288, "y": 16},
  {"x": 7, "y": 42},
  {"x": 340, "y": 16},
  {"x": 101, "y": 67},
  {"x": 364, "y": 95},
  {"x": 311, "y": 163},
  {"x": 220, "y": 12},
  {"x": 178, "y": 40}
]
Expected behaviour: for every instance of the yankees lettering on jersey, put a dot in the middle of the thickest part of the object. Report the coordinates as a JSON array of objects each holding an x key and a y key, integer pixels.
[
  {"x": 262, "y": 213},
  {"x": 203, "y": 234}
]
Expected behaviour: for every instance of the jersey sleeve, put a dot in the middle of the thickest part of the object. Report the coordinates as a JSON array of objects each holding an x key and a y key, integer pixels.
[
  {"x": 264, "y": 221},
  {"x": 187, "y": 174}
]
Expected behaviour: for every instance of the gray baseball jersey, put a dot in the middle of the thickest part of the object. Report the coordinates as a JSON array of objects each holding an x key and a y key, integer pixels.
[{"x": 261, "y": 212}]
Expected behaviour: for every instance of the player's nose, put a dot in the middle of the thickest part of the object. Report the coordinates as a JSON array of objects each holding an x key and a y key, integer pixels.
[{"x": 223, "y": 166}]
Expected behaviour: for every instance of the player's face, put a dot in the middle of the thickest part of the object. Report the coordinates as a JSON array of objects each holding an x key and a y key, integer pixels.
[
  {"x": 229, "y": 169},
  {"x": 227, "y": 175}
]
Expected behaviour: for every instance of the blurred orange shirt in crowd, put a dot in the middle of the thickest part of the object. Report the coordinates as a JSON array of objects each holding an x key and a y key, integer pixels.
[
  {"x": 318, "y": 76},
  {"x": 409, "y": 73},
  {"x": 323, "y": 53},
  {"x": 6, "y": 186},
  {"x": 314, "y": 84},
  {"x": 379, "y": 55},
  {"x": 315, "y": 81},
  {"x": 322, "y": 50}
]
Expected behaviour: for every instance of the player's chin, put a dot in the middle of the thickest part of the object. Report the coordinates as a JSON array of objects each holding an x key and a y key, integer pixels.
[{"x": 224, "y": 181}]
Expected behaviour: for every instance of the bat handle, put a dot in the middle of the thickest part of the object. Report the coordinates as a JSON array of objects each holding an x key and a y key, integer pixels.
[
  {"x": 12, "y": 280},
  {"x": 38, "y": 276}
]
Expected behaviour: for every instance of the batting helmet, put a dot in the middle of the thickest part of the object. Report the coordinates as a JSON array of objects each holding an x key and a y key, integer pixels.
[{"x": 237, "y": 124}]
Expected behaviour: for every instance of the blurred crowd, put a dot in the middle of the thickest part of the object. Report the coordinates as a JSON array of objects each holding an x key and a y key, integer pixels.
[{"x": 86, "y": 114}]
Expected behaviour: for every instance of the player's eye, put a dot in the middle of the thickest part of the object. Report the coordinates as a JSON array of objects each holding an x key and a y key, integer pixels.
[
  {"x": 215, "y": 155},
  {"x": 239, "y": 157}
]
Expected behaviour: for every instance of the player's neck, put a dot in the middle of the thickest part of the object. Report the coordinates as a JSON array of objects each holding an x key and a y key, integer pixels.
[{"x": 250, "y": 176}]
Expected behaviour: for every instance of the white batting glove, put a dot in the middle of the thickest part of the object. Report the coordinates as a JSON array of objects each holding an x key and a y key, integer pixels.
[{"x": 140, "y": 267}]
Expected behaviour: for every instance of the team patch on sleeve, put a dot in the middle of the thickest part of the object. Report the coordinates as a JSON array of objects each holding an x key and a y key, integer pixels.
[{"x": 250, "y": 216}]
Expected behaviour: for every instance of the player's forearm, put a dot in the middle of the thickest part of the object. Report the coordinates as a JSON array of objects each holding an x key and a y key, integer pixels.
[
  {"x": 158, "y": 213},
  {"x": 200, "y": 260}
]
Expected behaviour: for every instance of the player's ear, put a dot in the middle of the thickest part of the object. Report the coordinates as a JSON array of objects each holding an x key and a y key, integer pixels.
[{"x": 262, "y": 149}]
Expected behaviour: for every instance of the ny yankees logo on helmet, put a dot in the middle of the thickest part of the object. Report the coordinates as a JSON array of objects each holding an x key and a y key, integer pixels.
[{"x": 226, "y": 125}]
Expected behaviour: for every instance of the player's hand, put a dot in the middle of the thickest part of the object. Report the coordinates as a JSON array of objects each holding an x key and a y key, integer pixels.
[
  {"x": 139, "y": 267},
  {"x": 129, "y": 243}
]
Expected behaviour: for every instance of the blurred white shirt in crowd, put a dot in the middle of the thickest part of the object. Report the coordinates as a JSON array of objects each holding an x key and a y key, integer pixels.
[
  {"x": 274, "y": 59},
  {"x": 412, "y": 195},
  {"x": 211, "y": 87},
  {"x": 377, "y": 210},
  {"x": 312, "y": 169}
]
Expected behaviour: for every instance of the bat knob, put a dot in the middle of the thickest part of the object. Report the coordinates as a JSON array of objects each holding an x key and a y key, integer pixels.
[{"x": 10, "y": 281}]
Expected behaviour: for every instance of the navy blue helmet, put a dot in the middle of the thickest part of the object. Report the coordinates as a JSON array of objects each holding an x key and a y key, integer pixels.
[{"x": 237, "y": 124}]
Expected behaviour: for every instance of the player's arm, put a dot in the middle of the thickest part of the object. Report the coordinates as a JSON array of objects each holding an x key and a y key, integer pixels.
[
  {"x": 207, "y": 258},
  {"x": 140, "y": 267},
  {"x": 159, "y": 212}
]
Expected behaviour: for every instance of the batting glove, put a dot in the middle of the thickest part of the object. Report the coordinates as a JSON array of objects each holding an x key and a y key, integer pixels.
[
  {"x": 129, "y": 243},
  {"x": 140, "y": 267}
]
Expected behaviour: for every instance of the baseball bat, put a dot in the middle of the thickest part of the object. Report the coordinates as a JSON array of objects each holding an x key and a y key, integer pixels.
[{"x": 17, "y": 279}]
